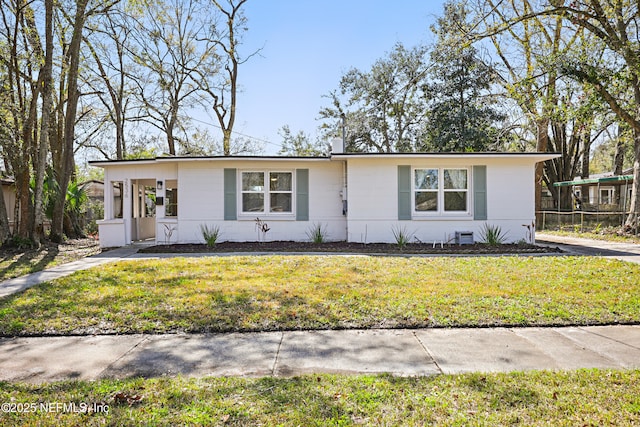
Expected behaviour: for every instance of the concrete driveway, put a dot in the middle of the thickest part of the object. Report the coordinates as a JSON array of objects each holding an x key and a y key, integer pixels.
[{"x": 579, "y": 246}]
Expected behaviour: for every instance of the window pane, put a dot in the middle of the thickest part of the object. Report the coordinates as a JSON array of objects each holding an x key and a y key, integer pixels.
[
  {"x": 455, "y": 201},
  {"x": 118, "y": 186},
  {"x": 426, "y": 179},
  {"x": 252, "y": 202},
  {"x": 171, "y": 203},
  {"x": 280, "y": 181},
  {"x": 252, "y": 181},
  {"x": 426, "y": 201},
  {"x": 455, "y": 179},
  {"x": 280, "y": 202}
]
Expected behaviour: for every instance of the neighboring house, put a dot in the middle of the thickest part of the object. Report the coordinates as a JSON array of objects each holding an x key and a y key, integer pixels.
[
  {"x": 606, "y": 192},
  {"x": 9, "y": 194},
  {"x": 355, "y": 197},
  {"x": 93, "y": 188}
]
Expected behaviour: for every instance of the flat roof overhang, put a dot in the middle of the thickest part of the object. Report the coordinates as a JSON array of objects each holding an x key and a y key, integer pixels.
[
  {"x": 538, "y": 157},
  {"x": 207, "y": 159}
]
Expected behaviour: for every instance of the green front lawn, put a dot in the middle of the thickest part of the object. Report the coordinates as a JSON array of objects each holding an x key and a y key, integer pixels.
[
  {"x": 246, "y": 293},
  {"x": 579, "y": 398}
]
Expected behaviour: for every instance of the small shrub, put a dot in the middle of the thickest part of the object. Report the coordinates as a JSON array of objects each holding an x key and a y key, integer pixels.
[
  {"x": 210, "y": 234},
  {"x": 492, "y": 235},
  {"x": 402, "y": 236},
  {"x": 317, "y": 233}
]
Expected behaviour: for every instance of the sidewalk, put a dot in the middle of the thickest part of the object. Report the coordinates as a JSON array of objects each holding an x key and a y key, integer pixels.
[{"x": 282, "y": 354}]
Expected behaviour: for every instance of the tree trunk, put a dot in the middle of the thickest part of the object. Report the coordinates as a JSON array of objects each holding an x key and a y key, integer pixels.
[
  {"x": 43, "y": 145},
  {"x": 584, "y": 173},
  {"x": 542, "y": 138},
  {"x": 64, "y": 175},
  {"x": 618, "y": 157},
  {"x": 632, "y": 221}
]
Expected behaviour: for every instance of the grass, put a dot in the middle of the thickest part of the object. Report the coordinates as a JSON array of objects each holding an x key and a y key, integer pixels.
[
  {"x": 245, "y": 293},
  {"x": 14, "y": 263},
  {"x": 584, "y": 397}
]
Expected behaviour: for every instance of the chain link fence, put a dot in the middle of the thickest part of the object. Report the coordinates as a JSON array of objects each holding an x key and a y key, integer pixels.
[{"x": 585, "y": 221}]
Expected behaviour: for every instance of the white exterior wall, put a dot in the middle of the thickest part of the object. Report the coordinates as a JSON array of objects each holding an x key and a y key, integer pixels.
[
  {"x": 373, "y": 199},
  {"x": 201, "y": 201},
  {"x": 372, "y": 193}
]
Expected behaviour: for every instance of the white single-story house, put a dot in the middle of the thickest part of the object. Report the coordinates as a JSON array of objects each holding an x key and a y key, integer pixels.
[{"x": 355, "y": 197}]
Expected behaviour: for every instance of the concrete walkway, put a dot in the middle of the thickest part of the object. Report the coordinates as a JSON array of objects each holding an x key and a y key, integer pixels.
[
  {"x": 578, "y": 246},
  {"x": 400, "y": 352}
]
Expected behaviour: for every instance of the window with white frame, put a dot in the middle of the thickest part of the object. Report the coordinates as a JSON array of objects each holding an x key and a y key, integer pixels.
[
  {"x": 266, "y": 192},
  {"x": 441, "y": 190}
]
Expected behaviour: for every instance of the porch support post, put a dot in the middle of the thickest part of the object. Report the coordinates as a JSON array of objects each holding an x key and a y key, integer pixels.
[{"x": 126, "y": 210}]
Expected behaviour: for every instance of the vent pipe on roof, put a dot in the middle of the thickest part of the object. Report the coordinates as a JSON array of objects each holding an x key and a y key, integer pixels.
[{"x": 337, "y": 146}]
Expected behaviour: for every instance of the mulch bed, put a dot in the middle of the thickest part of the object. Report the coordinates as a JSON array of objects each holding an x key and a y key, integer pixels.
[{"x": 347, "y": 247}]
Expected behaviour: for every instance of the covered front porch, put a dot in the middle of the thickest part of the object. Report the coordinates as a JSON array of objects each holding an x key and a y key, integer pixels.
[{"x": 139, "y": 210}]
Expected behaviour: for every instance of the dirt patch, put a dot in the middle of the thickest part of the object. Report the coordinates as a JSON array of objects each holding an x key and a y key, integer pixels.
[{"x": 346, "y": 247}]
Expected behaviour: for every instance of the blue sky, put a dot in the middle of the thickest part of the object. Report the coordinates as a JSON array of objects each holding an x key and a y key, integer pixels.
[{"x": 307, "y": 45}]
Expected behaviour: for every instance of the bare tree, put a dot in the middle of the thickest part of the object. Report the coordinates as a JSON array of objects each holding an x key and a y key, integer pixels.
[
  {"x": 616, "y": 23},
  {"x": 110, "y": 78},
  {"x": 23, "y": 78},
  {"x": 175, "y": 51},
  {"x": 563, "y": 116},
  {"x": 224, "y": 92},
  {"x": 63, "y": 145}
]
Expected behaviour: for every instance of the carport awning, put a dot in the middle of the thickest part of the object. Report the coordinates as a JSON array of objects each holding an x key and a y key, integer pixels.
[{"x": 590, "y": 181}]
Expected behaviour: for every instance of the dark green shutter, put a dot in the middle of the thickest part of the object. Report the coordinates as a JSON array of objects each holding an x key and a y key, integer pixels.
[
  {"x": 302, "y": 194},
  {"x": 480, "y": 193},
  {"x": 404, "y": 192},
  {"x": 230, "y": 195}
]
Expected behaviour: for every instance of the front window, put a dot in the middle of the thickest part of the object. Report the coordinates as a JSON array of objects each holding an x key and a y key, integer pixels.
[
  {"x": 116, "y": 205},
  {"x": 267, "y": 192},
  {"x": 439, "y": 191},
  {"x": 171, "y": 196}
]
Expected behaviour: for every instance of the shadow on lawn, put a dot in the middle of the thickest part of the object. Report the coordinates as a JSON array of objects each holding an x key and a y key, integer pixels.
[{"x": 14, "y": 262}]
